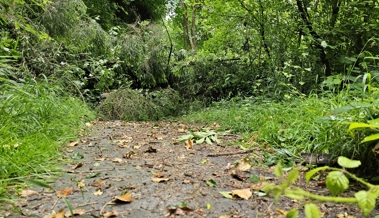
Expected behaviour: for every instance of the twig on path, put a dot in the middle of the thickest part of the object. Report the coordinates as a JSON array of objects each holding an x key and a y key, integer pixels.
[
  {"x": 231, "y": 153},
  {"x": 102, "y": 209}
]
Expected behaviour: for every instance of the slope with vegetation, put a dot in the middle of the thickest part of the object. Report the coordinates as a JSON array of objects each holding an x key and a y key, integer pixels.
[{"x": 295, "y": 74}]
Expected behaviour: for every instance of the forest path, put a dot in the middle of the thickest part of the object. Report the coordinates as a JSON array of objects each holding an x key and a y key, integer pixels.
[{"x": 126, "y": 169}]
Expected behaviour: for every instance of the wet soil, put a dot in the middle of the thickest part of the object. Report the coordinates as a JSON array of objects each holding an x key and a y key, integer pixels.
[{"x": 125, "y": 169}]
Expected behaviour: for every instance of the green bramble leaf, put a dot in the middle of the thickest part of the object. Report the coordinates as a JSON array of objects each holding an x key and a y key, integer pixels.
[
  {"x": 292, "y": 176},
  {"x": 311, "y": 173},
  {"x": 366, "y": 201},
  {"x": 371, "y": 138},
  {"x": 278, "y": 171},
  {"x": 337, "y": 182},
  {"x": 347, "y": 163},
  {"x": 311, "y": 211},
  {"x": 294, "y": 213}
]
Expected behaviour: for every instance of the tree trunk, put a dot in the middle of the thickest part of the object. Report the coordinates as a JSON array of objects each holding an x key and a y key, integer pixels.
[{"x": 305, "y": 17}]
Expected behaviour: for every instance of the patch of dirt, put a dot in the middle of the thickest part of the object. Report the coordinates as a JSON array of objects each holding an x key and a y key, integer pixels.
[{"x": 153, "y": 175}]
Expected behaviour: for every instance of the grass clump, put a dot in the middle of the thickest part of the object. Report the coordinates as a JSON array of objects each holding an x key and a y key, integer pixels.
[
  {"x": 313, "y": 124},
  {"x": 136, "y": 105},
  {"x": 35, "y": 120}
]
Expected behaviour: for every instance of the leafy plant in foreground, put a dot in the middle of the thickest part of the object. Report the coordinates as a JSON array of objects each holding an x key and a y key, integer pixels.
[{"x": 337, "y": 181}]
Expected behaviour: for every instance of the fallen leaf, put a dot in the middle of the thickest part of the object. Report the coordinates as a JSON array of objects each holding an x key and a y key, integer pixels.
[
  {"x": 243, "y": 193},
  {"x": 257, "y": 186},
  {"x": 77, "y": 165},
  {"x": 81, "y": 184},
  {"x": 227, "y": 195},
  {"x": 117, "y": 160},
  {"x": 224, "y": 216},
  {"x": 189, "y": 144},
  {"x": 282, "y": 212},
  {"x": 128, "y": 155},
  {"x": 244, "y": 164},
  {"x": 158, "y": 180},
  {"x": 88, "y": 124},
  {"x": 76, "y": 212},
  {"x": 110, "y": 214},
  {"x": 92, "y": 175},
  {"x": 73, "y": 144},
  {"x": 127, "y": 198},
  {"x": 178, "y": 211},
  {"x": 54, "y": 214},
  {"x": 151, "y": 150},
  {"x": 100, "y": 184},
  {"x": 98, "y": 192},
  {"x": 65, "y": 192},
  {"x": 181, "y": 130},
  {"x": 100, "y": 159},
  {"x": 239, "y": 174},
  {"x": 27, "y": 193}
]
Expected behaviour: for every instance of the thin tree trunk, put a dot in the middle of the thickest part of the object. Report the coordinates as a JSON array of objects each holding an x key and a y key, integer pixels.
[{"x": 308, "y": 24}]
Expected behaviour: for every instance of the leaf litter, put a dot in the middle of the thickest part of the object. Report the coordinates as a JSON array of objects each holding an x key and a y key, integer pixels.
[{"x": 141, "y": 169}]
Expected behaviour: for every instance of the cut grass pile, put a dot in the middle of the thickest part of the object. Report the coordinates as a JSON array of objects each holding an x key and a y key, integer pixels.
[{"x": 35, "y": 120}]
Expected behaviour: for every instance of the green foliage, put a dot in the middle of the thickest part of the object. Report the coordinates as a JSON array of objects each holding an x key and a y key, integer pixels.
[
  {"x": 36, "y": 119},
  {"x": 336, "y": 181},
  {"x": 206, "y": 135},
  {"x": 134, "y": 105}
]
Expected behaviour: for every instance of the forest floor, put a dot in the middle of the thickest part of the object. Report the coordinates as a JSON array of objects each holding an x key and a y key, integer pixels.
[{"x": 126, "y": 169}]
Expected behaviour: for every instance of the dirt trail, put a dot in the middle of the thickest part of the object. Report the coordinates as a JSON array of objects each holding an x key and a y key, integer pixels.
[{"x": 156, "y": 177}]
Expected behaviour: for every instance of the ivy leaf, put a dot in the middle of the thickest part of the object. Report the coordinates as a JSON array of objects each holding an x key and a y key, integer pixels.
[
  {"x": 311, "y": 211},
  {"x": 347, "y": 163},
  {"x": 337, "y": 182},
  {"x": 294, "y": 213},
  {"x": 310, "y": 174},
  {"x": 366, "y": 201}
]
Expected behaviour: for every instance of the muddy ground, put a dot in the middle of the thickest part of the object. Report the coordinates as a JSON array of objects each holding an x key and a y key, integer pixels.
[{"x": 124, "y": 169}]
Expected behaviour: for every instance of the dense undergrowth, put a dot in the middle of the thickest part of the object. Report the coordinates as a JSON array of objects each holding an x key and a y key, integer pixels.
[
  {"x": 317, "y": 124},
  {"x": 36, "y": 120}
]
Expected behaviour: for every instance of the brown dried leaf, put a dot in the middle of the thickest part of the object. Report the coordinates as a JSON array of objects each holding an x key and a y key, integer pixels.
[
  {"x": 127, "y": 198},
  {"x": 117, "y": 160},
  {"x": 76, "y": 212},
  {"x": 65, "y": 192},
  {"x": 73, "y": 144},
  {"x": 189, "y": 144},
  {"x": 257, "y": 186},
  {"x": 181, "y": 130},
  {"x": 110, "y": 214},
  {"x": 77, "y": 165},
  {"x": 244, "y": 164},
  {"x": 27, "y": 193},
  {"x": 54, "y": 214},
  {"x": 158, "y": 180},
  {"x": 129, "y": 154},
  {"x": 98, "y": 192},
  {"x": 100, "y": 184},
  {"x": 178, "y": 211},
  {"x": 151, "y": 150},
  {"x": 243, "y": 193}
]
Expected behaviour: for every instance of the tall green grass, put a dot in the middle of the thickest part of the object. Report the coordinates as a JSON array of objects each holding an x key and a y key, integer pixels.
[
  {"x": 35, "y": 120},
  {"x": 300, "y": 125}
]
